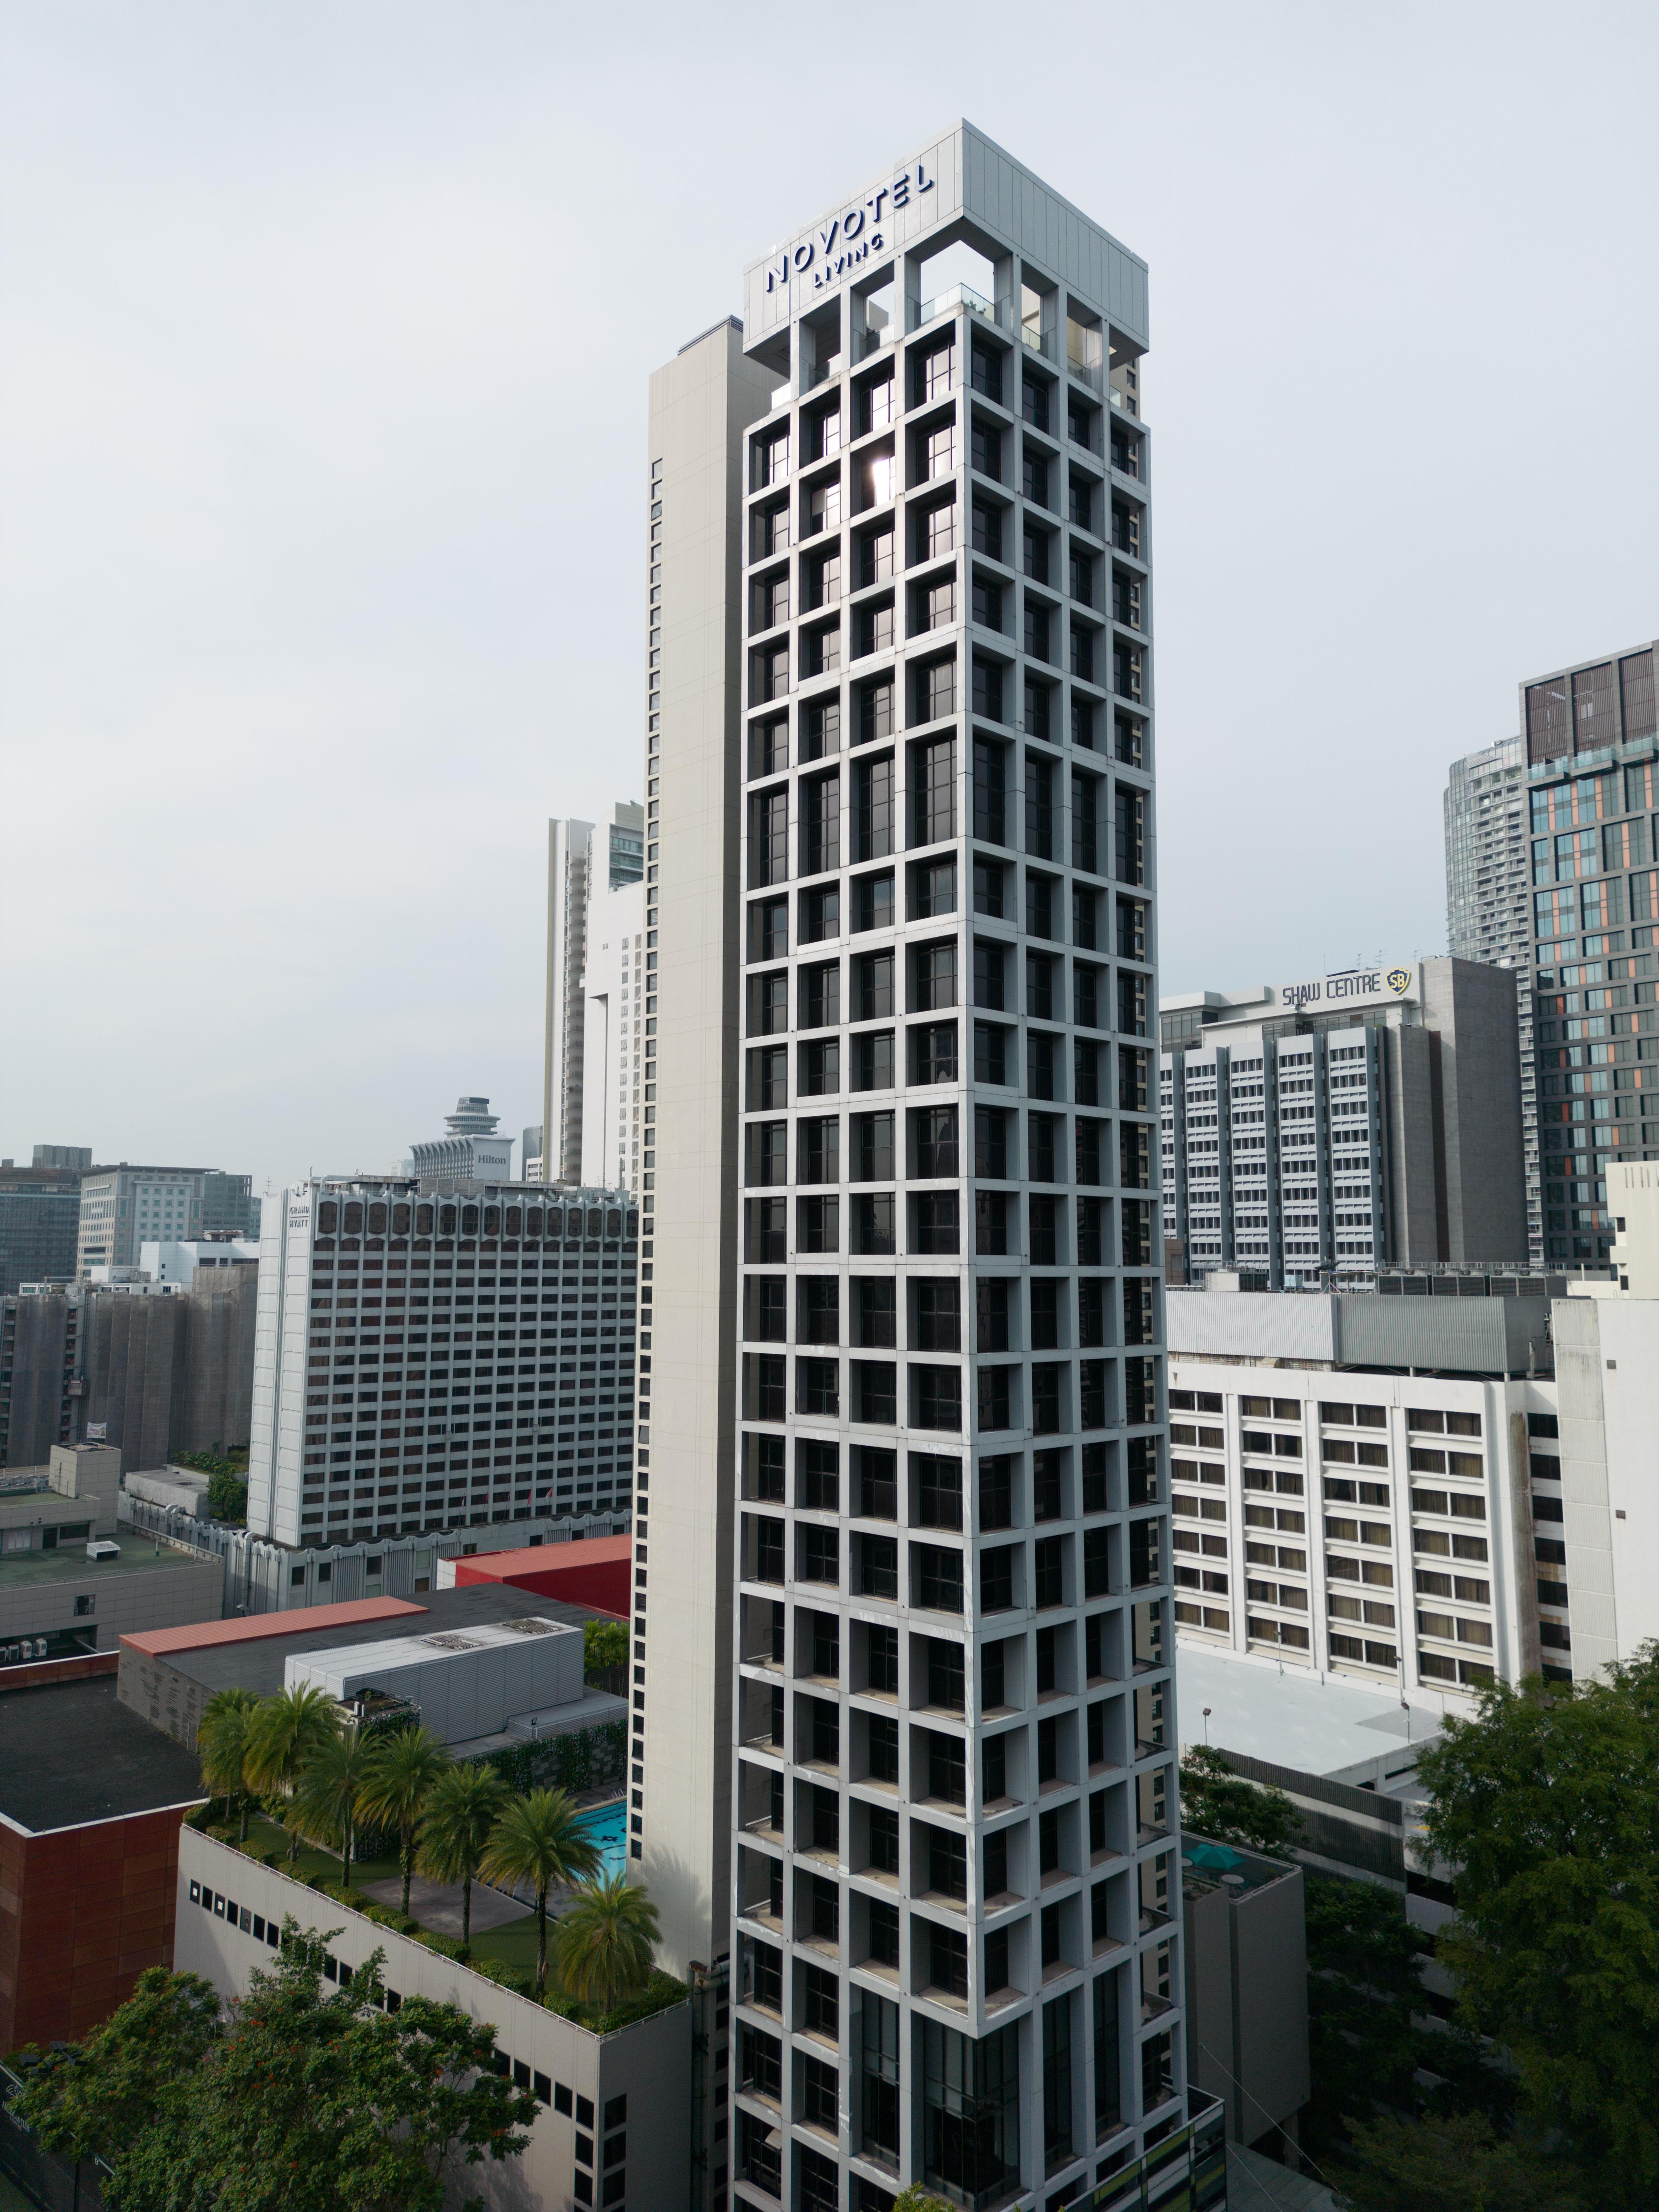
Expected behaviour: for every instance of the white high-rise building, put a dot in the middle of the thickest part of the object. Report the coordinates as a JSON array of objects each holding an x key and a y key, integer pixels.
[
  {"x": 1488, "y": 861},
  {"x": 613, "y": 1051},
  {"x": 1489, "y": 895},
  {"x": 906, "y": 1304},
  {"x": 584, "y": 864},
  {"x": 427, "y": 1357}
]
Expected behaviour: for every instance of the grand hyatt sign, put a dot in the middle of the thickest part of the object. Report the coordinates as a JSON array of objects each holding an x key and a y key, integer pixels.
[{"x": 1350, "y": 987}]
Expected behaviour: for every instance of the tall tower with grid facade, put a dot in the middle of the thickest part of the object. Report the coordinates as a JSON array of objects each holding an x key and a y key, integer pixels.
[
  {"x": 1592, "y": 741},
  {"x": 901, "y": 888}
]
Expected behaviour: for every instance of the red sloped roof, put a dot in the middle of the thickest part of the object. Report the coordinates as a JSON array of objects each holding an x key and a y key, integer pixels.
[
  {"x": 256, "y": 1626},
  {"x": 590, "y": 1552}
]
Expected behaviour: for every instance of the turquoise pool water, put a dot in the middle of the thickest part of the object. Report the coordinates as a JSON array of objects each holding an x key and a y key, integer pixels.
[{"x": 608, "y": 1826}]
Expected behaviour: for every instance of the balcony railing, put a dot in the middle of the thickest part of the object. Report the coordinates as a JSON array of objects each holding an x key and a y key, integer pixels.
[{"x": 958, "y": 295}]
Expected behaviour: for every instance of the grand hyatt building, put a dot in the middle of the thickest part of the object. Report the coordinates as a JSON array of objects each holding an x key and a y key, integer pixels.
[{"x": 903, "y": 1781}]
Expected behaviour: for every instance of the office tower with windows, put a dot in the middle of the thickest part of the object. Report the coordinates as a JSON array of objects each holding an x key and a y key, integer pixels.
[
  {"x": 1592, "y": 740},
  {"x": 1314, "y": 1132},
  {"x": 583, "y": 864},
  {"x": 1489, "y": 885},
  {"x": 39, "y": 1220},
  {"x": 899, "y": 925},
  {"x": 122, "y": 1207},
  {"x": 426, "y": 1359},
  {"x": 1488, "y": 880}
]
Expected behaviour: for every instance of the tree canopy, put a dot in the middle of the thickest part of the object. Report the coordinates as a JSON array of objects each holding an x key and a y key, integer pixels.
[
  {"x": 1455, "y": 2164},
  {"x": 540, "y": 1839},
  {"x": 604, "y": 1643},
  {"x": 293, "y": 2099},
  {"x": 1547, "y": 1806},
  {"x": 603, "y": 1941}
]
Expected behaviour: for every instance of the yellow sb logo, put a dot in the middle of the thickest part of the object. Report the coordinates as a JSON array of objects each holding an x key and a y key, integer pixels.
[{"x": 1398, "y": 980}]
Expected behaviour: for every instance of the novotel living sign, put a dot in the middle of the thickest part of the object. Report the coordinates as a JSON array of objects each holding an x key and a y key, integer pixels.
[
  {"x": 1350, "y": 987},
  {"x": 828, "y": 252}
]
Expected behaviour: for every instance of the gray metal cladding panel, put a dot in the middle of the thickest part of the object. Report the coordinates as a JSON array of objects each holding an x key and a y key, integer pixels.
[
  {"x": 1251, "y": 1325},
  {"x": 1004, "y": 195},
  {"x": 1464, "y": 1335}
]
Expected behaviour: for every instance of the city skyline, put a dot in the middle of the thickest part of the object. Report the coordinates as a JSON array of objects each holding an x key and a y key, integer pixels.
[{"x": 242, "y": 651}]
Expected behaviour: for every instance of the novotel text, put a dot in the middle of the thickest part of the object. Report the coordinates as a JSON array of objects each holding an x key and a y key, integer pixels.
[{"x": 831, "y": 251}]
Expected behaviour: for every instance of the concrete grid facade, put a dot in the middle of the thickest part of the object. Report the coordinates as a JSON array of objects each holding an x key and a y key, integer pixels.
[
  {"x": 954, "y": 1875},
  {"x": 426, "y": 1358},
  {"x": 1592, "y": 740}
]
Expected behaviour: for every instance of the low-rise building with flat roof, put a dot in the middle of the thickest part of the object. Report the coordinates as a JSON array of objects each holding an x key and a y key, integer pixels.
[
  {"x": 91, "y": 1800},
  {"x": 169, "y": 1677},
  {"x": 597, "y": 1573},
  {"x": 70, "y": 1581}
]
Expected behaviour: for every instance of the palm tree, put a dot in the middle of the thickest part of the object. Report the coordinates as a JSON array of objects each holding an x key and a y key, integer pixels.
[
  {"x": 603, "y": 1943},
  {"x": 285, "y": 1733},
  {"x": 327, "y": 1794},
  {"x": 540, "y": 1839},
  {"x": 401, "y": 1772},
  {"x": 462, "y": 1806},
  {"x": 221, "y": 1739}
]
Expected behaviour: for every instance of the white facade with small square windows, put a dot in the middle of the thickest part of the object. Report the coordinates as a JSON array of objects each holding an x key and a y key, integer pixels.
[
  {"x": 429, "y": 1357},
  {"x": 1390, "y": 1526}
]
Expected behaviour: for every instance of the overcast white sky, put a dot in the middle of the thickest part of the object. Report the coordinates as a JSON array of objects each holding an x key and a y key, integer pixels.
[{"x": 325, "y": 331}]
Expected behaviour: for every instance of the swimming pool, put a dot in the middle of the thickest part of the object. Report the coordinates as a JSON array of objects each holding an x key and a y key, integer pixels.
[{"x": 607, "y": 1825}]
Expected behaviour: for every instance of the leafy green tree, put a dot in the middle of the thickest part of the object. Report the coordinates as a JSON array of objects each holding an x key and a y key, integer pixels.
[
  {"x": 327, "y": 1794},
  {"x": 402, "y": 1769},
  {"x": 1217, "y": 1802},
  {"x": 604, "y": 1643},
  {"x": 462, "y": 1806},
  {"x": 1364, "y": 1987},
  {"x": 227, "y": 1495},
  {"x": 1374, "y": 2049},
  {"x": 915, "y": 2198},
  {"x": 605, "y": 1942},
  {"x": 99, "y": 2098},
  {"x": 294, "y": 2100},
  {"x": 285, "y": 1733},
  {"x": 540, "y": 1839},
  {"x": 1456, "y": 2164},
  {"x": 221, "y": 1739},
  {"x": 1548, "y": 1805}
]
